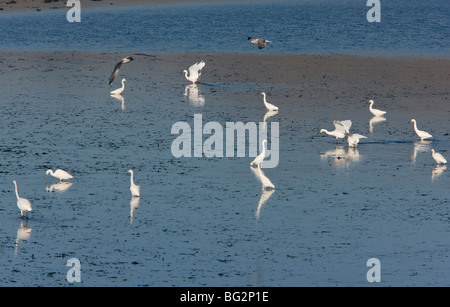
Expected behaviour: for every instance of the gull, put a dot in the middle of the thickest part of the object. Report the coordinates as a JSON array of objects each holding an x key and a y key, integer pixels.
[
  {"x": 341, "y": 128},
  {"x": 195, "y": 71},
  {"x": 353, "y": 139},
  {"x": 115, "y": 72},
  {"x": 23, "y": 203},
  {"x": 261, "y": 43},
  {"x": 269, "y": 106},
  {"x": 60, "y": 174},
  {"x": 135, "y": 189},
  {"x": 120, "y": 90},
  {"x": 438, "y": 157},
  {"x": 260, "y": 158},
  {"x": 375, "y": 112},
  {"x": 125, "y": 60},
  {"x": 422, "y": 134}
]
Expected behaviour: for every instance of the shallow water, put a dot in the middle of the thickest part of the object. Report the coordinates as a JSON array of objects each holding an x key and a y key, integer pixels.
[
  {"x": 308, "y": 27},
  {"x": 206, "y": 221}
]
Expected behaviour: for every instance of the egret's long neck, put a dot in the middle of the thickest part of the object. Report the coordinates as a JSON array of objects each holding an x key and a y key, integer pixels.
[
  {"x": 264, "y": 149},
  {"x": 17, "y": 193},
  {"x": 415, "y": 127},
  {"x": 131, "y": 179},
  {"x": 371, "y": 105},
  {"x": 264, "y": 98},
  {"x": 123, "y": 84}
]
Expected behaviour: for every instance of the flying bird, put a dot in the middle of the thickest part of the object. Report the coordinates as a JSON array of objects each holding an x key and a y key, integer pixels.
[
  {"x": 195, "y": 71},
  {"x": 261, "y": 43},
  {"x": 125, "y": 60},
  {"x": 115, "y": 72}
]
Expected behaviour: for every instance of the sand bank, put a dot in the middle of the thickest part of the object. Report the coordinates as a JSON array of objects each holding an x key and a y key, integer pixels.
[
  {"x": 328, "y": 77},
  {"x": 42, "y": 5}
]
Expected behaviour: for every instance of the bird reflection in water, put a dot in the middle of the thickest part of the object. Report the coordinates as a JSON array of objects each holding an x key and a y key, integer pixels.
[
  {"x": 420, "y": 146},
  {"x": 438, "y": 171},
  {"x": 342, "y": 156},
  {"x": 121, "y": 99},
  {"x": 375, "y": 120},
  {"x": 134, "y": 204},
  {"x": 268, "y": 188},
  {"x": 59, "y": 187},
  {"x": 196, "y": 99},
  {"x": 23, "y": 234}
]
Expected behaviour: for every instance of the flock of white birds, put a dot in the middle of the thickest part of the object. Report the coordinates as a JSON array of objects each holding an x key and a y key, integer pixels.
[{"x": 342, "y": 130}]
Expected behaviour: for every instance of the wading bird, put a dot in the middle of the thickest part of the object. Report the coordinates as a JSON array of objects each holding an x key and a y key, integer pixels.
[
  {"x": 375, "y": 112},
  {"x": 422, "y": 134},
  {"x": 135, "y": 189},
  {"x": 119, "y": 91},
  {"x": 195, "y": 71},
  {"x": 258, "y": 160},
  {"x": 23, "y": 203},
  {"x": 269, "y": 106},
  {"x": 60, "y": 174},
  {"x": 438, "y": 157}
]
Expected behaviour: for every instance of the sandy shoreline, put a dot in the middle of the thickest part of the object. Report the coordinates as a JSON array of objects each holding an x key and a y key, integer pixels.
[
  {"x": 42, "y": 5},
  {"x": 330, "y": 77}
]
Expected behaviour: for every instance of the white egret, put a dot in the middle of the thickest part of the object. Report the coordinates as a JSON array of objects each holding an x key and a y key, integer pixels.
[
  {"x": 60, "y": 174},
  {"x": 269, "y": 106},
  {"x": 422, "y": 134},
  {"x": 119, "y": 91},
  {"x": 195, "y": 71},
  {"x": 260, "y": 158},
  {"x": 438, "y": 157},
  {"x": 23, "y": 203},
  {"x": 135, "y": 189},
  {"x": 115, "y": 72},
  {"x": 260, "y": 42},
  {"x": 341, "y": 128},
  {"x": 375, "y": 112},
  {"x": 353, "y": 139}
]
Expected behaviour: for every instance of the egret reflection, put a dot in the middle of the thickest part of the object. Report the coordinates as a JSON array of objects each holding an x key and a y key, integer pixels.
[
  {"x": 59, "y": 187},
  {"x": 342, "y": 156},
  {"x": 259, "y": 174},
  {"x": 268, "y": 115},
  {"x": 196, "y": 99},
  {"x": 121, "y": 99},
  {"x": 265, "y": 195},
  {"x": 375, "y": 120},
  {"x": 23, "y": 234},
  {"x": 438, "y": 171},
  {"x": 420, "y": 146},
  {"x": 134, "y": 204}
]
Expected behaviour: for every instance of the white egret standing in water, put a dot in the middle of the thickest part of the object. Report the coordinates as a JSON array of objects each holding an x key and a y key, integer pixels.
[
  {"x": 422, "y": 134},
  {"x": 269, "y": 106},
  {"x": 60, "y": 174},
  {"x": 260, "y": 158},
  {"x": 195, "y": 71},
  {"x": 135, "y": 189},
  {"x": 119, "y": 91},
  {"x": 23, "y": 203},
  {"x": 438, "y": 157},
  {"x": 375, "y": 112}
]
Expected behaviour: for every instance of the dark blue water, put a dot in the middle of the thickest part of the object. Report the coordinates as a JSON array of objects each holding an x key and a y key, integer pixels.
[{"x": 311, "y": 27}]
